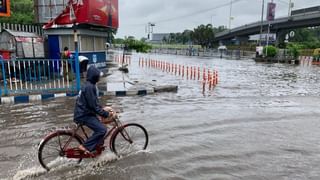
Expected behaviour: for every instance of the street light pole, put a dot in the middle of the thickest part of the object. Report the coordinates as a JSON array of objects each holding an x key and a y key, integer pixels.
[
  {"x": 73, "y": 19},
  {"x": 261, "y": 26},
  {"x": 212, "y": 20},
  {"x": 230, "y": 14},
  {"x": 76, "y": 50},
  {"x": 289, "y": 9},
  {"x": 150, "y": 29}
]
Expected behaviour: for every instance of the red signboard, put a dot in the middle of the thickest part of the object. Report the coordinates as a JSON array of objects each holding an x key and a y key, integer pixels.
[
  {"x": 271, "y": 11},
  {"x": 5, "y": 8},
  {"x": 95, "y": 12}
]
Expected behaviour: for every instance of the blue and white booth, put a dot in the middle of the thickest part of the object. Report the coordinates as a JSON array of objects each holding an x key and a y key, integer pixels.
[{"x": 92, "y": 44}]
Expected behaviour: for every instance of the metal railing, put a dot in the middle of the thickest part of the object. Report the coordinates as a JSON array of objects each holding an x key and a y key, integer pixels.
[
  {"x": 233, "y": 54},
  {"x": 32, "y": 76}
]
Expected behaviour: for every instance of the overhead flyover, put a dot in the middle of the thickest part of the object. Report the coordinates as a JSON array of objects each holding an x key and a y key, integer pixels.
[{"x": 308, "y": 17}]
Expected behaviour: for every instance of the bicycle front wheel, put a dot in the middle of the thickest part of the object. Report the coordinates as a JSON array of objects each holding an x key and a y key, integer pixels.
[
  {"x": 129, "y": 138},
  {"x": 51, "y": 150}
]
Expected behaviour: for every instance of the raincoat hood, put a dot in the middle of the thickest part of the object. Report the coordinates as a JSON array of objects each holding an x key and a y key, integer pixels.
[{"x": 93, "y": 75}]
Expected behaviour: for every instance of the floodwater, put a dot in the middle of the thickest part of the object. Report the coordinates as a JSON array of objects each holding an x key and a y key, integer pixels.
[{"x": 260, "y": 122}]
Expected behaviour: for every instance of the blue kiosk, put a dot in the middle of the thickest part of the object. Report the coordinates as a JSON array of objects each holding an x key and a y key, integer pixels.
[
  {"x": 94, "y": 22},
  {"x": 92, "y": 43}
]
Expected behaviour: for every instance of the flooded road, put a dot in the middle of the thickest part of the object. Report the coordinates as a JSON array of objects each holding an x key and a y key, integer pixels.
[{"x": 260, "y": 122}]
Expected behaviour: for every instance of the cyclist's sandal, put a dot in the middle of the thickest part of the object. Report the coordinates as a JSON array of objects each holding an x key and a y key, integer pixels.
[{"x": 84, "y": 150}]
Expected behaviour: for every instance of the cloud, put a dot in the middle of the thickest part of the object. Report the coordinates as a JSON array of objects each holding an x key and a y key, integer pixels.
[{"x": 135, "y": 14}]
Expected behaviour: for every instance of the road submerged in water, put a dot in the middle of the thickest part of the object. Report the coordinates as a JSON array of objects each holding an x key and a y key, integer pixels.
[{"x": 260, "y": 122}]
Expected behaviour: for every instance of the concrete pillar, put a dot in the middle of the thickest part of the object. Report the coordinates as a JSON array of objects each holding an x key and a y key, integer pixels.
[{"x": 241, "y": 40}]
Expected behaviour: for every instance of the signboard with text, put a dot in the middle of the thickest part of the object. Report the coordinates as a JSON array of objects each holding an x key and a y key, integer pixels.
[
  {"x": 271, "y": 11},
  {"x": 94, "y": 12},
  {"x": 5, "y": 8}
]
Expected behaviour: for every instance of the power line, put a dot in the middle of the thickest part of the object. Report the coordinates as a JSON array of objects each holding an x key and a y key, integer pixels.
[
  {"x": 198, "y": 12},
  {"x": 284, "y": 2},
  {"x": 192, "y": 14}
]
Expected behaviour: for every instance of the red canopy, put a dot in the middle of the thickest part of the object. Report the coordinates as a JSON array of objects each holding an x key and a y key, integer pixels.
[{"x": 98, "y": 12}]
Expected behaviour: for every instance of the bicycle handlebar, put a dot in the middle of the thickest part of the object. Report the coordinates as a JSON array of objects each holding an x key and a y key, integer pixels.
[{"x": 114, "y": 119}]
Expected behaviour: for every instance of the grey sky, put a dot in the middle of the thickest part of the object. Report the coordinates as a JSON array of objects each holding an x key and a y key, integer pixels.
[{"x": 135, "y": 14}]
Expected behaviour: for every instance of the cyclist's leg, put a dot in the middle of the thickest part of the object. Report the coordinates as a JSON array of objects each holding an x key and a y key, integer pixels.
[{"x": 99, "y": 131}]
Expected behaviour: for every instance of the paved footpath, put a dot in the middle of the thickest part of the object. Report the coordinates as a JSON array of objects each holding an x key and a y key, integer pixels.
[{"x": 113, "y": 83}]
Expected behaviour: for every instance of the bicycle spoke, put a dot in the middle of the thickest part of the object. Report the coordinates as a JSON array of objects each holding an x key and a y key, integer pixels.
[
  {"x": 51, "y": 150},
  {"x": 52, "y": 147},
  {"x": 59, "y": 142},
  {"x": 131, "y": 138},
  {"x": 46, "y": 157}
]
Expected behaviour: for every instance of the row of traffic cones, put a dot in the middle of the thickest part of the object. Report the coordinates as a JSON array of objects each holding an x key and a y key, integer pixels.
[
  {"x": 122, "y": 59},
  {"x": 207, "y": 77}
]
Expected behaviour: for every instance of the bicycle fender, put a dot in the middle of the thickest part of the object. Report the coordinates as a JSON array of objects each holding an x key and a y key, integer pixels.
[{"x": 59, "y": 132}]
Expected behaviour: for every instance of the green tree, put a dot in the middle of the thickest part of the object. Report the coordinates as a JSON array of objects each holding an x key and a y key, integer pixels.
[
  {"x": 294, "y": 49},
  {"x": 172, "y": 38},
  {"x": 187, "y": 36},
  {"x": 118, "y": 41},
  {"x": 302, "y": 35},
  {"x": 165, "y": 40},
  {"x": 22, "y": 11},
  {"x": 204, "y": 35},
  {"x": 306, "y": 38},
  {"x": 137, "y": 45}
]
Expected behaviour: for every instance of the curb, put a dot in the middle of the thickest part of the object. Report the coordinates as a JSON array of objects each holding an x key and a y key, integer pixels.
[
  {"x": 143, "y": 92},
  {"x": 32, "y": 98},
  {"x": 41, "y": 97}
]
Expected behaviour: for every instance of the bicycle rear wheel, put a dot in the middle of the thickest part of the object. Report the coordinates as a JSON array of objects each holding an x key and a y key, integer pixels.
[
  {"x": 129, "y": 138},
  {"x": 51, "y": 150}
]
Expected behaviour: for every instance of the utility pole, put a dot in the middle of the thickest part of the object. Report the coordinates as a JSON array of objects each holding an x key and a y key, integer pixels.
[
  {"x": 150, "y": 30},
  {"x": 212, "y": 21},
  {"x": 230, "y": 15},
  {"x": 73, "y": 18},
  {"x": 261, "y": 26},
  {"x": 290, "y": 7}
]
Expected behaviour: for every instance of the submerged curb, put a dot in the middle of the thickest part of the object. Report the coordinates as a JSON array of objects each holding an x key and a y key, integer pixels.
[
  {"x": 143, "y": 92},
  {"x": 42, "y": 97},
  {"x": 32, "y": 98}
]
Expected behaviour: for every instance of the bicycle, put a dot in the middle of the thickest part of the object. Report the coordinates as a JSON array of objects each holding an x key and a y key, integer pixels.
[{"x": 124, "y": 139}]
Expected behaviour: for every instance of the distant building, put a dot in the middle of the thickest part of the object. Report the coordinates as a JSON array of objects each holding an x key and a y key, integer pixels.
[
  {"x": 46, "y": 10},
  {"x": 159, "y": 37}
]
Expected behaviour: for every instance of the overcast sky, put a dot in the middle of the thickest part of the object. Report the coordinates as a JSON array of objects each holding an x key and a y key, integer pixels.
[{"x": 178, "y": 15}]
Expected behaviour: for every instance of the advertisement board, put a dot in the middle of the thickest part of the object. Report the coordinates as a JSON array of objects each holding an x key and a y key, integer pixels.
[
  {"x": 4, "y": 8},
  {"x": 271, "y": 11},
  {"x": 95, "y": 12}
]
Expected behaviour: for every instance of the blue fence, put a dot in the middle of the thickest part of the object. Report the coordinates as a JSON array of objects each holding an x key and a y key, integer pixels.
[{"x": 33, "y": 76}]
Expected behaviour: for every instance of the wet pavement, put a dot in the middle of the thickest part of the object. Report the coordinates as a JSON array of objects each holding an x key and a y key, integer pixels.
[{"x": 260, "y": 122}]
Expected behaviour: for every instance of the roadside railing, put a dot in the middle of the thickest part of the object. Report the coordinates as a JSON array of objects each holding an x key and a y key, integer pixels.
[
  {"x": 233, "y": 54},
  {"x": 32, "y": 76}
]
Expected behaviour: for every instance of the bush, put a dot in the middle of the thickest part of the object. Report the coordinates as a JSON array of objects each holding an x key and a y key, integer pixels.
[
  {"x": 316, "y": 54},
  {"x": 139, "y": 46},
  {"x": 270, "y": 51},
  {"x": 293, "y": 50}
]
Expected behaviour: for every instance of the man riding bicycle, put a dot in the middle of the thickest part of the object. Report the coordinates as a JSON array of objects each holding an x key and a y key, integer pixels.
[{"x": 87, "y": 108}]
